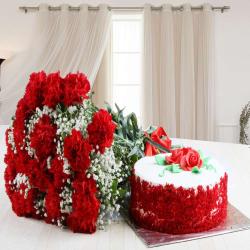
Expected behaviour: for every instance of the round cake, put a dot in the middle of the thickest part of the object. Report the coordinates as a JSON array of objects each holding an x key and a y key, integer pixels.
[{"x": 180, "y": 192}]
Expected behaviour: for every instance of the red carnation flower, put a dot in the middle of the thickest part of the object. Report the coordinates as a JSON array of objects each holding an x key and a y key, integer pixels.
[
  {"x": 76, "y": 88},
  {"x": 35, "y": 90},
  {"x": 34, "y": 170},
  {"x": 85, "y": 207},
  {"x": 10, "y": 171},
  {"x": 52, "y": 204},
  {"x": 23, "y": 206},
  {"x": 77, "y": 151},
  {"x": 56, "y": 169},
  {"x": 22, "y": 113},
  {"x": 39, "y": 176},
  {"x": 54, "y": 90},
  {"x": 18, "y": 163},
  {"x": 22, "y": 163},
  {"x": 42, "y": 138},
  {"x": 101, "y": 130}
]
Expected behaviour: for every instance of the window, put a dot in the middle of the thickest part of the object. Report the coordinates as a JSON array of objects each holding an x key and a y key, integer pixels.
[{"x": 126, "y": 57}]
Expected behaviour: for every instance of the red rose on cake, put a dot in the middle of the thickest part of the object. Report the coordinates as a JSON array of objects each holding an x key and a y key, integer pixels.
[
  {"x": 176, "y": 156},
  {"x": 190, "y": 159},
  {"x": 187, "y": 158}
]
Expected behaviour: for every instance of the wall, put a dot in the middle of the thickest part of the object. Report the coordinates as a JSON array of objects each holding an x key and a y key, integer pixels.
[{"x": 232, "y": 50}]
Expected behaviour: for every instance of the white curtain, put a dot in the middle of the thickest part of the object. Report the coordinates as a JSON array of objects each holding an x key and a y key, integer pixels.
[
  {"x": 64, "y": 40},
  {"x": 102, "y": 86},
  {"x": 178, "y": 91}
]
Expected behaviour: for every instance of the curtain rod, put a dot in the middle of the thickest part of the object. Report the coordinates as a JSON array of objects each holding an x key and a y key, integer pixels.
[{"x": 54, "y": 8}]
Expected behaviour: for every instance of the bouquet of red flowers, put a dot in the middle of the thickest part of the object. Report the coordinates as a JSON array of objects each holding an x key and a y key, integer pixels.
[
  {"x": 60, "y": 162},
  {"x": 68, "y": 162}
]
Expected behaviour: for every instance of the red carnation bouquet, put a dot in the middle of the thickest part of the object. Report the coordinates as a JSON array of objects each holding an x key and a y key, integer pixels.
[
  {"x": 68, "y": 162},
  {"x": 61, "y": 165}
]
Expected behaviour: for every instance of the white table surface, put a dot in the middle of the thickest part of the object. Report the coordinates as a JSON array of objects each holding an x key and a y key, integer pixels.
[{"x": 22, "y": 233}]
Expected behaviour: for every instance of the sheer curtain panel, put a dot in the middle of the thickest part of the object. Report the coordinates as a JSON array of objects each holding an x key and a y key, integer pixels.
[
  {"x": 64, "y": 40},
  {"x": 178, "y": 91}
]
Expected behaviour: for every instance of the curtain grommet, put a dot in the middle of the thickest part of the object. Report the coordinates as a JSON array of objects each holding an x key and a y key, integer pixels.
[
  {"x": 43, "y": 7},
  {"x": 167, "y": 7}
]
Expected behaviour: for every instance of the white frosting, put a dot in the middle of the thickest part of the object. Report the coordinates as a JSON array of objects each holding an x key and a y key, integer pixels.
[{"x": 147, "y": 169}]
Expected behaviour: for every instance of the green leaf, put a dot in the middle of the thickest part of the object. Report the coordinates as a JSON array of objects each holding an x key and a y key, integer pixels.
[
  {"x": 114, "y": 186},
  {"x": 122, "y": 192},
  {"x": 206, "y": 160},
  {"x": 134, "y": 159},
  {"x": 169, "y": 168},
  {"x": 117, "y": 107},
  {"x": 196, "y": 170},
  {"x": 134, "y": 122},
  {"x": 210, "y": 167},
  {"x": 129, "y": 129},
  {"x": 161, "y": 174},
  {"x": 201, "y": 154},
  {"x": 151, "y": 129},
  {"x": 108, "y": 107},
  {"x": 134, "y": 151},
  {"x": 160, "y": 160},
  {"x": 176, "y": 168},
  {"x": 124, "y": 128},
  {"x": 131, "y": 126}
]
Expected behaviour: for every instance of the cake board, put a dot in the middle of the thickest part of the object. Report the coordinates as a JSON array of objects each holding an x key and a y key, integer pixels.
[{"x": 235, "y": 221}]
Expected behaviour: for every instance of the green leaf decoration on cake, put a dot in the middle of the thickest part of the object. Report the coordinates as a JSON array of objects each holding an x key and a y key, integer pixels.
[
  {"x": 160, "y": 159},
  {"x": 210, "y": 167},
  {"x": 196, "y": 170},
  {"x": 201, "y": 154},
  {"x": 174, "y": 168},
  {"x": 205, "y": 162},
  {"x": 161, "y": 174}
]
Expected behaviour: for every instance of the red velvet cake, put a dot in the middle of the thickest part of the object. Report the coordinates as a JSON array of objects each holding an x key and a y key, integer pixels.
[{"x": 178, "y": 193}]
